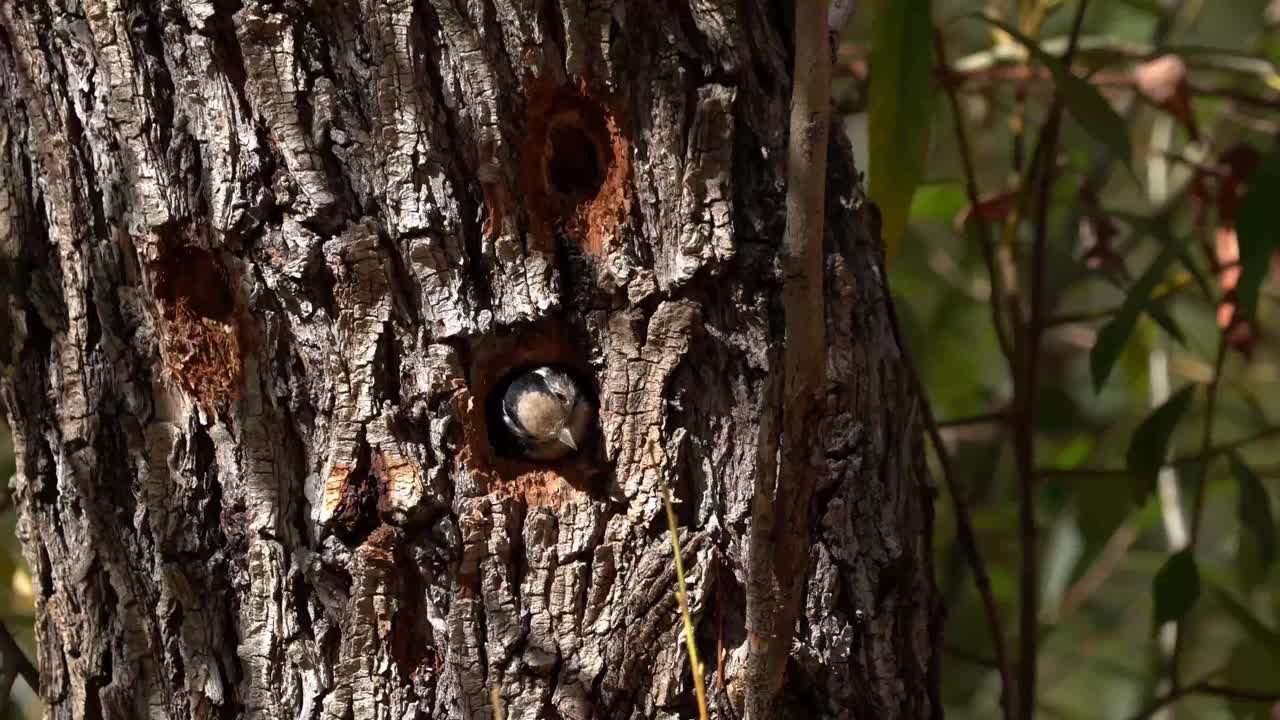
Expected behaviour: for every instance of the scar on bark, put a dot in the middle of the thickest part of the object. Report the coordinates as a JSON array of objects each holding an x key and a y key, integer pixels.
[
  {"x": 540, "y": 484},
  {"x": 358, "y": 498},
  {"x": 575, "y": 163},
  {"x": 200, "y": 342},
  {"x": 351, "y": 497}
]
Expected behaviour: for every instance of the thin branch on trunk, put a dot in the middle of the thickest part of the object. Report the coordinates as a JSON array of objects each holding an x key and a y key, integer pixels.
[{"x": 780, "y": 562}]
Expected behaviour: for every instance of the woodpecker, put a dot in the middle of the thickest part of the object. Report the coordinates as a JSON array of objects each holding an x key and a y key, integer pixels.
[{"x": 547, "y": 413}]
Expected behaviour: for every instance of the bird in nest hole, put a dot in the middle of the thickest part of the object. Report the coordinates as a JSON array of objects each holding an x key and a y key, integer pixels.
[{"x": 547, "y": 413}]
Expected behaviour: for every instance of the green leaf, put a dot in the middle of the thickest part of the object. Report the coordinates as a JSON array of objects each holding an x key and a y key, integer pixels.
[
  {"x": 1160, "y": 314},
  {"x": 1256, "y": 230},
  {"x": 1152, "y": 7},
  {"x": 1197, "y": 272},
  {"x": 1092, "y": 111},
  {"x": 1176, "y": 587},
  {"x": 1254, "y": 628},
  {"x": 1255, "y": 510},
  {"x": 938, "y": 202},
  {"x": 901, "y": 105},
  {"x": 1150, "y": 443},
  {"x": 1113, "y": 336},
  {"x": 1250, "y": 668},
  {"x": 1097, "y": 512}
]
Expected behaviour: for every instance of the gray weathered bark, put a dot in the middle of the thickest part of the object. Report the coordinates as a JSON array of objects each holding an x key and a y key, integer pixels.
[{"x": 266, "y": 263}]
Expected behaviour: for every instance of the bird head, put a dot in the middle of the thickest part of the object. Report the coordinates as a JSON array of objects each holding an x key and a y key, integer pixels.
[{"x": 547, "y": 411}]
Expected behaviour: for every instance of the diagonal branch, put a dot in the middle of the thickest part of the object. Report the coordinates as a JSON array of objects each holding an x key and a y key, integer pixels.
[
  {"x": 964, "y": 524},
  {"x": 14, "y": 663},
  {"x": 1206, "y": 688},
  {"x": 985, "y": 239}
]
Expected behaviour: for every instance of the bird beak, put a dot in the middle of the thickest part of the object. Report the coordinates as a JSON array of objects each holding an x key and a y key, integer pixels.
[{"x": 566, "y": 438}]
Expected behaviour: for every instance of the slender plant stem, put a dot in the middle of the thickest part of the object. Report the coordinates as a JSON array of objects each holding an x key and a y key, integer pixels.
[
  {"x": 964, "y": 523},
  {"x": 682, "y": 597},
  {"x": 1105, "y": 48},
  {"x": 1197, "y": 504},
  {"x": 1183, "y": 281},
  {"x": 1021, "y": 76},
  {"x": 1211, "y": 404},
  {"x": 1041, "y": 177},
  {"x": 1196, "y": 457},
  {"x": 1024, "y": 430},
  {"x": 969, "y": 543},
  {"x": 971, "y": 658},
  {"x": 495, "y": 698},
  {"x": 1204, "y": 688},
  {"x": 1113, "y": 553},
  {"x": 985, "y": 239},
  {"x": 991, "y": 418},
  {"x": 1211, "y": 453}
]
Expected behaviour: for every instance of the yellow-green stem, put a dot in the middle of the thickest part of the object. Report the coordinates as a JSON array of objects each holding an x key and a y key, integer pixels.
[
  {"x": 682, "y": 597},
  {"x": 499, "y": 713}
]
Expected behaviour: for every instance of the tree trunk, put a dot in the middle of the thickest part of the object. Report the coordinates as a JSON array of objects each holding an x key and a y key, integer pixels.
[{"x": 267, "y": 264}]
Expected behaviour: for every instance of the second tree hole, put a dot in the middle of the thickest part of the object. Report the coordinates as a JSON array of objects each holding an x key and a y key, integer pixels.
[
  {"x": 575, "y": 161},
  {"x": 573, "y": 165},
  {"x": 193, "y": 276}
]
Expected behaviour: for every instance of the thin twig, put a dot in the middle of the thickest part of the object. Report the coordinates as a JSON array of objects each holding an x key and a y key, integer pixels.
[
  {"x": 682, "y": 598},
  {"x": 1197, "y": 510},
  {"x": 1021, "y": 76},
  {"x": 1258, "y": 68},
  {"x": 1193, "y": 458},
  {"x": 971, "y": 658},
  {"x": 1204, "y": 455},
  {"x": 969, "y": 543},
  {"x": 985, "y": 238},
  {"x": 964, "y": 526},
  {"x": 1205, "y": 688},
  {"x": 1113, "y": 552},
  {"x": 1026, "y": 390},
  {"x": 964, "y": 523},
  {"x": 1164, "y": 290},
  {"x": 991, "y": 418},
  {"x": 1197, "y": 507}
]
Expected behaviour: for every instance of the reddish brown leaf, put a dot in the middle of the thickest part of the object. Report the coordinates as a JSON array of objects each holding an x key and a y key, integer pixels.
[
  {"x": 1159, "y": 80},
  {"x": 1235, "y": 166},
  {"x": 1163, "y": 82},
  {"x": 992, "y": 208}
]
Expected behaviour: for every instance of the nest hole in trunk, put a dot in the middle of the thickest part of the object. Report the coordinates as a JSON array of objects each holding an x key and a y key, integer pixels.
[
  {"x": 200, "y": 339},
  {"x": 575, "y": 164},
  {"x": 491, "y": 451}
]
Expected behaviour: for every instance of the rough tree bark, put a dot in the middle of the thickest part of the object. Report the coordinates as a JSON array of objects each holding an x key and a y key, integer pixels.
[{"x": 267, "y": 263}]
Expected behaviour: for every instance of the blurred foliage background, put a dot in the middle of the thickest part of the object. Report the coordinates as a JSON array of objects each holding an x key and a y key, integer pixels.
[
  {"x": 1112, "y": 265},
  {"x": 1135, "y": 253}
]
